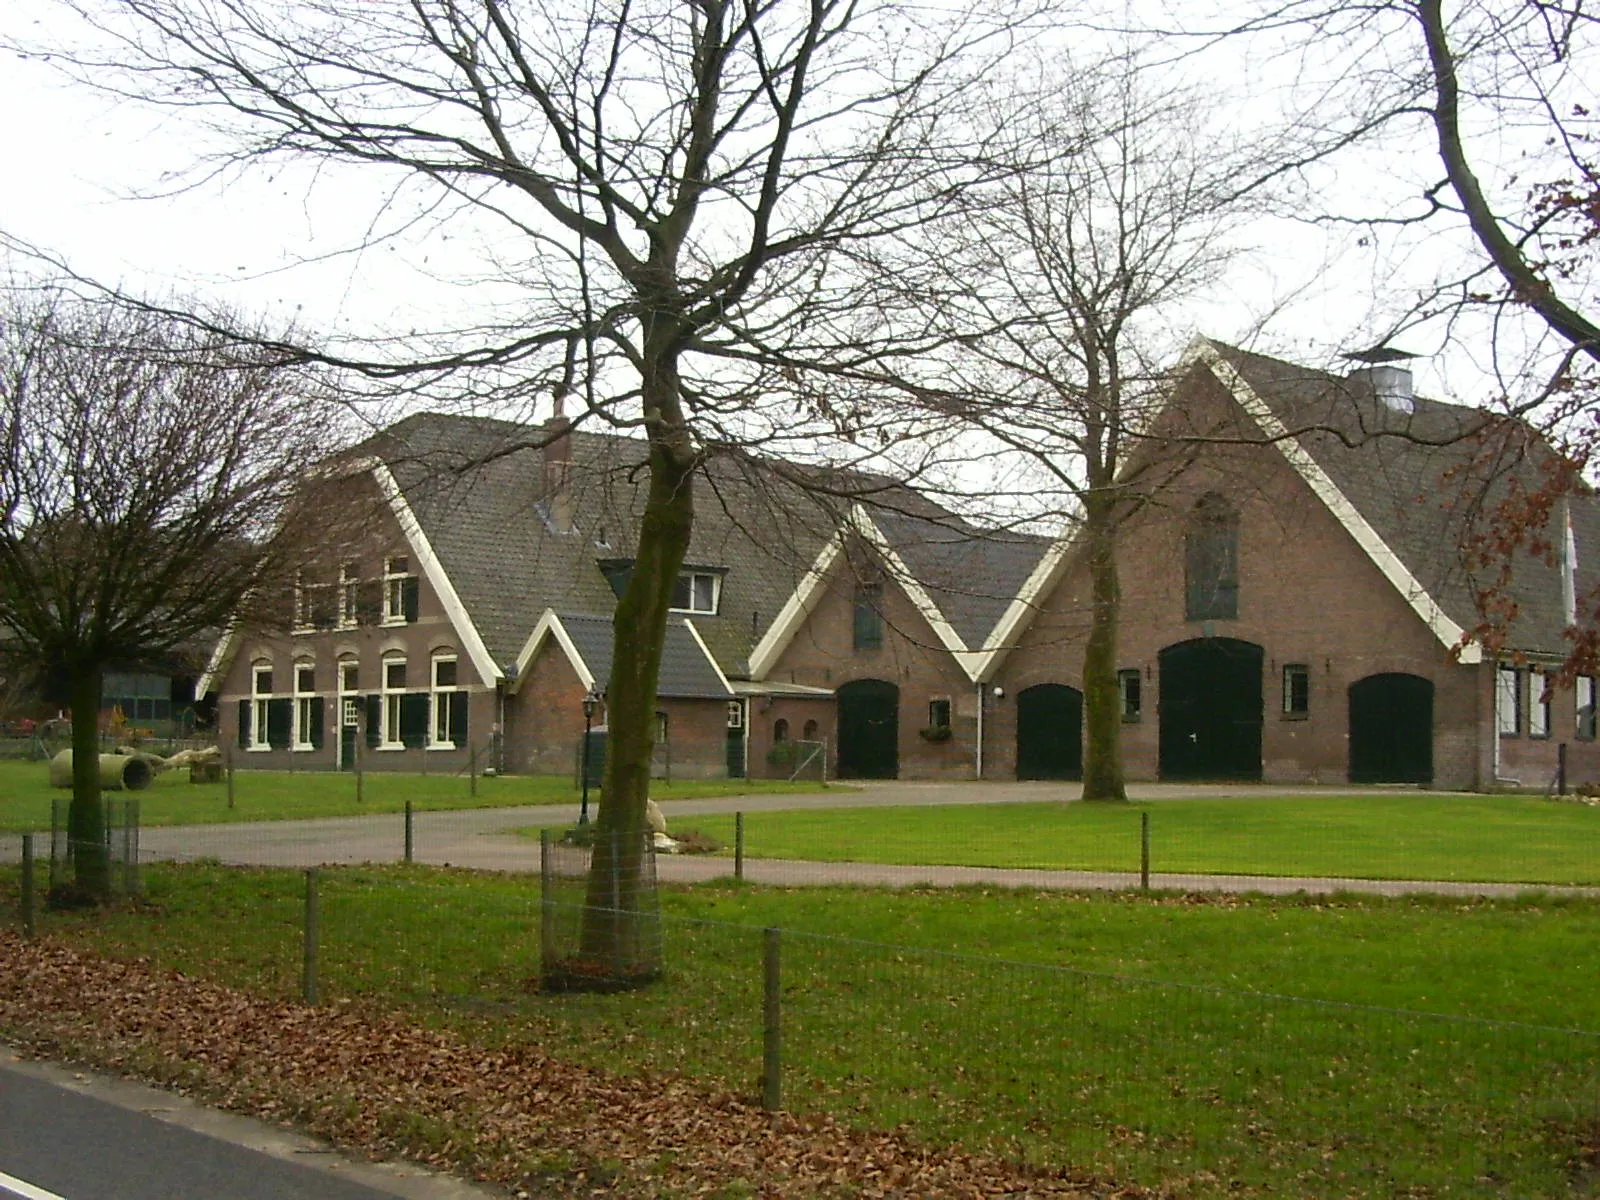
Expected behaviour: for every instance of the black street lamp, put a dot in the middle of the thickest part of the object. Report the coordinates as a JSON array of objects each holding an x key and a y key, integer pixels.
[{"x": 591, "y": 701}]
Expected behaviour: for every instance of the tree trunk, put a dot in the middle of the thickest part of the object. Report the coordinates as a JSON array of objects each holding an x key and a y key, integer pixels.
[
  {"x": 1102, "y": 715},
  {"x": 86, "y": 818},
  {"x": 619, "y": 921}
]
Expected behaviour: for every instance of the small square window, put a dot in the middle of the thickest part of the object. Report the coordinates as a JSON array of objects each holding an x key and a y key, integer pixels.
[
  {"x": 394, "y": 674},
  {"x": 1296, "y": 690},
  {"x": 349, "y": 677},
  {"x": 444, "y": 672},
  {"x": 263, "y": 681},
  {"x": 305, "y": 679},
  {"x": 939, "y": 714},
  {"x": 1130, "y": 693}
]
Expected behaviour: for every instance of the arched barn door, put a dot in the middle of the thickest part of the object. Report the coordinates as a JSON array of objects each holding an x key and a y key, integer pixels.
[
  {"x": 1050, "y": 732},
  {"x": 869, "y": 729},
  {"x": 1391, "y": 729},
  {"x": 1211, "y": 710}
]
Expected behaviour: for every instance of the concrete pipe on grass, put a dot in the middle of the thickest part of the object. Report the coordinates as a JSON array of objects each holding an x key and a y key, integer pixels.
[{"x": 118, "y": 772}]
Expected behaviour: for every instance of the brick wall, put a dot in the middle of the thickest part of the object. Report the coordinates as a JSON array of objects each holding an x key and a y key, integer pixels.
[
  {"x": 912, "y": 658},
  {"x": 544, "y": 725},
  {"x": 1307, "y": 595}
]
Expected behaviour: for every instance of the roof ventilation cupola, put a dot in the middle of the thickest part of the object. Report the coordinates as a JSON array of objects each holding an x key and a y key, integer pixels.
[{"x": 1384, "y": 369}]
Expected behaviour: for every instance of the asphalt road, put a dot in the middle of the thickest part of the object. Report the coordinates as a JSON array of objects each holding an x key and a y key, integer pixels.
[{"x": 76, "y": 1136}]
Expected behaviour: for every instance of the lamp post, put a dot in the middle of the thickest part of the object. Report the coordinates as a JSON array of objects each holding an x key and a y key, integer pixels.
[{"x": 590, "y": 701}]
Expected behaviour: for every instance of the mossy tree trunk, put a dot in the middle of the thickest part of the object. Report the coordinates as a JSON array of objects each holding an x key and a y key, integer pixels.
[
  {"x": 618, "y": 907},
  {"x": 86, "y": 818},
  {"x": 1102, "y": 707}
]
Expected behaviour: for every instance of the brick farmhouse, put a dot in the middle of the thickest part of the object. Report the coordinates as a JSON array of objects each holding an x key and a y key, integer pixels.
[{"x": 1297, "y": 606}]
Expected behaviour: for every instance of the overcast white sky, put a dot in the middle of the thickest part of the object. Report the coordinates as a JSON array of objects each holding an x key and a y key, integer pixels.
[{"x": 82, "y": 170}]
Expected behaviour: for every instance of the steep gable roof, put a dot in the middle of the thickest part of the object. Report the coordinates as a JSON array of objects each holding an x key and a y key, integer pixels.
[
  {"x": 1411, "y": 487},
  {"x": 476, "y": 488},
  {"x": 687, "y": 668}
]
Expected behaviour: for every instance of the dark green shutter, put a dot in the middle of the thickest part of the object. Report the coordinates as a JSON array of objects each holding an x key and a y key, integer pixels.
[
  {"x": 458, "y": 718},
  {"x": 317, "y": 714},
  {"x": 374, "y": 719},
  {"x": 409, "y": 592},
  {"x": 244, "y": 724},
  {"x": 280, "y": 722},
  {"x": 414, "y": 720},
  {"x": 369, "y": 601}
]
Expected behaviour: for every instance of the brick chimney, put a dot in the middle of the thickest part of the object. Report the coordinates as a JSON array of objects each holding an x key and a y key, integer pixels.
[{"x": 558, "y": 468}]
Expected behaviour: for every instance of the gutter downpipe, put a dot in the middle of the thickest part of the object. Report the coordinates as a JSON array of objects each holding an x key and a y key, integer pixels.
[{"x": 978, "y": 755}]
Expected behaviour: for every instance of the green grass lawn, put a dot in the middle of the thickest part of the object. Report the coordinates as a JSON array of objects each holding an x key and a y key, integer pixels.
[
  {"x": 25, "y": 794},
  {"x": 1056, "y": 1044},
  {"x": 1508, "y": 839}
]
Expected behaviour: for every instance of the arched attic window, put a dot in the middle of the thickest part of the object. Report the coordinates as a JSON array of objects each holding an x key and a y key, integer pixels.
[{"x": 1211, "y": 561}]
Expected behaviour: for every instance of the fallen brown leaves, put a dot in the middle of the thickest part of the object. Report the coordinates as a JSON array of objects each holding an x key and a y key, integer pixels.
[{"x": 374, "y": 1081}]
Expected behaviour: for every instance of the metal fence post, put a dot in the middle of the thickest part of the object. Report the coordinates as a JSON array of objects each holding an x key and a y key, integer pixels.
[
  {"x": 772, "y": 1021},
  {"x": 27, "y": 884},
  {"x": 230, "y": 776},
  {"x": 409, "y": 831},
  {"x": 472, "y": 769},
  {"x": 308, "y": 977},
  {"x": 58, "y": 845},
  {"x": 547, "y": 904},
  {"x": 130, "y": 846},
  {"x": 1561, "y": 769},
  {"x": 738, "y": 846},
  {"x": 1144, "y": 850}
]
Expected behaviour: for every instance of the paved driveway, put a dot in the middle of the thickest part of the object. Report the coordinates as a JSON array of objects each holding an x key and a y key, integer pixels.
[{"x": 481, "y": 838}]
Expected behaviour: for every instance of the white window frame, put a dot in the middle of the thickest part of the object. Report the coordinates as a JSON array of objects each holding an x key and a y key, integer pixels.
[
  {"x": 259, "y": 704},
  {"x": 716, "y": 592},
  {"x": 350, "y": 705},
  {"x": 303, "y": 708},
  {"x": 349, "y": 598},
  {"x": 442, "y": 698},
  {"x": 1585, "y": 695},
  {"x": 1508, "y": 700},
  {"x": 391, "y": 739},
  {"x": 1538, "y": 703},
  {"x": 394, "y": 589}
]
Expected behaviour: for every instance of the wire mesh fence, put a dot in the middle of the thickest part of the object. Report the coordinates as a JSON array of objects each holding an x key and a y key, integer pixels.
[{"x": 1140, "y": 1081}]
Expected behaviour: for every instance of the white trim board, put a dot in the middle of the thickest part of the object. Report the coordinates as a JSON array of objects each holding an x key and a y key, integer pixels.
[
  {"x": 795, "y": 610},
  {"x": 1450, "y": 634},
  {"x": 916, "y": 593},
  {"x": 550, "y": 626},
  {"x": 706, "y": 650},
  {"x": 488, "y": 670},
  {"x": 1019, "y": 614}
]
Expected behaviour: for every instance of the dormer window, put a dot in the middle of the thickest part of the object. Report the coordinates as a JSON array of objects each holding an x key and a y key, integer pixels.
[{"x": 696, "y": 592}]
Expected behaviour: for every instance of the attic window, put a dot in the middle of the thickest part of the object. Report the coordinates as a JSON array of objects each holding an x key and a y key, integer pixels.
[
  {"x": 1211, "y": 561},
  {"x": 867, "y": 630}
]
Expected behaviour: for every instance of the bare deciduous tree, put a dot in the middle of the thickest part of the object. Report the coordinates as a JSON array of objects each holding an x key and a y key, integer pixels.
[
  {"x": 699, "y": 197},
  {"x": 143, "y": 468},
  {"x": 1122, "y": 207}
]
